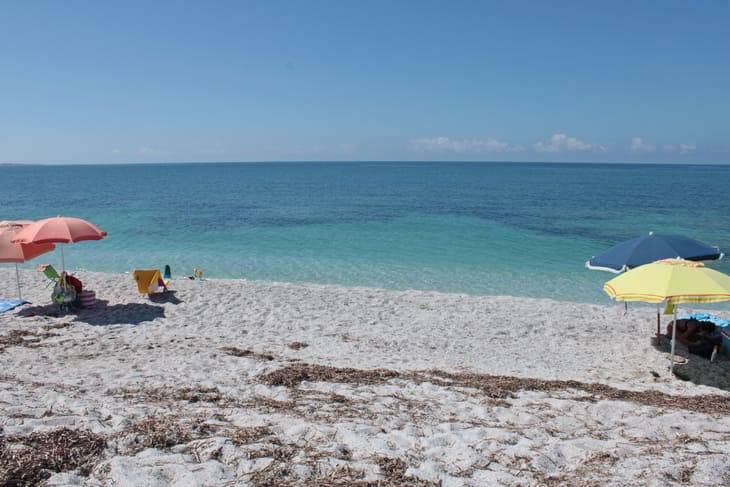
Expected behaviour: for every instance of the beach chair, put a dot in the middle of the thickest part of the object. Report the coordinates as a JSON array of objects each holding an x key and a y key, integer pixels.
[
  {"x": 49, "y": 272},
  {"x": 149, "y": 281}
]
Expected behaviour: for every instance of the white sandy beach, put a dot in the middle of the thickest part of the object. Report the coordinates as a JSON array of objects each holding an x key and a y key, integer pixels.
[{"x": 179, "y": 391}]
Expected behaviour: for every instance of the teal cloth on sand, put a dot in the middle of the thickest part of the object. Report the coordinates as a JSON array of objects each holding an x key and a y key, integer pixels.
[{"x": 8, "y": 304}]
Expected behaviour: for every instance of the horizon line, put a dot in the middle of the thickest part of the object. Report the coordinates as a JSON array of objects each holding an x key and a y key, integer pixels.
[{"x": 360, "y": 161}]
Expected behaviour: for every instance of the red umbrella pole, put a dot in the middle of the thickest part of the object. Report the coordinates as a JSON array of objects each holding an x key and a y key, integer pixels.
[{"x": 17, "y": 278}]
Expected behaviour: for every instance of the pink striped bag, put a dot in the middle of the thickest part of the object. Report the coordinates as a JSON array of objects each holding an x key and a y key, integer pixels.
[{"x": 88, "y": 299}]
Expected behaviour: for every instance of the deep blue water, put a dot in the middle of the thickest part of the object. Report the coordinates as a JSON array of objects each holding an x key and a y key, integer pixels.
[{"x": 519, "y": 229}]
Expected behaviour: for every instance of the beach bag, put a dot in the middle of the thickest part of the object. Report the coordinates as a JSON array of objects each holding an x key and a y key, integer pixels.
[
  {"x": 88, "y": 299},
  {"x": 63, "y": 295}
]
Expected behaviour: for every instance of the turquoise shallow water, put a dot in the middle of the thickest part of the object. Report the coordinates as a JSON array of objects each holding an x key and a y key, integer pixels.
[{"x": 518, "y": 229}]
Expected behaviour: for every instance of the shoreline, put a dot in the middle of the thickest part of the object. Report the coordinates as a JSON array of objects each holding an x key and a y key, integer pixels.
[
  {"x": 244, "y": 382},
  {"x": 266, "y": 282}
]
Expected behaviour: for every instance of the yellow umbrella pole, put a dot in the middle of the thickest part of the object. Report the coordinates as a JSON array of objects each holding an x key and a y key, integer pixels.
[{"x": 674, "y": 339}]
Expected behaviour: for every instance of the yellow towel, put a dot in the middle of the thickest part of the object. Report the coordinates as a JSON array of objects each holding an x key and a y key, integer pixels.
[{"x": 147, "y": 280}]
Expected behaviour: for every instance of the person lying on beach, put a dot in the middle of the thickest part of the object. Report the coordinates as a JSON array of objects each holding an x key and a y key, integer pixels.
[
  {"x": 700, "y": 337},
  {"x": 690, "y": 331}
]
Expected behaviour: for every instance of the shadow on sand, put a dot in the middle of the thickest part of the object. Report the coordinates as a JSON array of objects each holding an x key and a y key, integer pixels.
[
  {"x": 699, "y": 370},
  {"x": 120, "y": 314},
  {"x": 103, "y": 314},
  {"x": 166, "y": 297},
  {"x": 40, "y": 310}
]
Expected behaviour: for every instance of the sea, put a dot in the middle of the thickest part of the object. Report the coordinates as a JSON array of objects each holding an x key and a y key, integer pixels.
[{"x": 520, "y": 229}]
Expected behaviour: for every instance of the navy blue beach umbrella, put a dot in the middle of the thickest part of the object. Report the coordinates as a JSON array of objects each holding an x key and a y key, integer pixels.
[{"x": 650, "y": 248}]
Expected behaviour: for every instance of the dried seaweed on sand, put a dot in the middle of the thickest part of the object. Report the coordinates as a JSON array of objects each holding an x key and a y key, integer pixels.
[
  {"x": 23, "y": 338},
  {"x": 28, "y": 460},
  {"x": 248, "y": 434},
  {"x": 504, "y": 386},
  {"x": 161, "y": 432},
  {"x": 171, "y": 394},
  {"x": 394, "y": 471},
  {"x": 293, "y": 375},
  {"x": 240, "y": 352},
  {"x": 494, "y": 386}
]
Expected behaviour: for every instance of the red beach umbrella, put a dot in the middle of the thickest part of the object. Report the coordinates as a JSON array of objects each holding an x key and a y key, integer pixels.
[
  {"x": 16, "y": 252},
  {"x": 60, "y": 229}
]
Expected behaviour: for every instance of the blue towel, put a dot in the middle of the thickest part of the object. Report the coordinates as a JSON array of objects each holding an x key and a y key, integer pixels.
[
  {"x": 714, "y": 319},
  {"x": 8, "y": 304},
  {"x": 724, "y": 326}
]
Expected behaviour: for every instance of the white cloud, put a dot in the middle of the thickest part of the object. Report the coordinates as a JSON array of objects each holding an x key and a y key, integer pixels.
[
  {"x": 150, "y": 151},
  {"x": 562, "y": 142},
  {"x": 462, "y": 146},
  {"x": 683, "y": 148},
  {"x": 638, "y": 145}
]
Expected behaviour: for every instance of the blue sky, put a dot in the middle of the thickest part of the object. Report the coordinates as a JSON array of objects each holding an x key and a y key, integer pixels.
[{"x": 97, "y": 82}]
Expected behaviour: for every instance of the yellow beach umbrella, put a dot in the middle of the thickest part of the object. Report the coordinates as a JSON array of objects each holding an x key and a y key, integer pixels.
[{"x": 670, "y": 281}]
